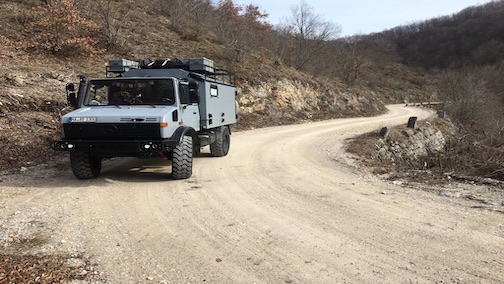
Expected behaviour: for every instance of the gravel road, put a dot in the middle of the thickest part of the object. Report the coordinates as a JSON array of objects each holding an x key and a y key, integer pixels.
[{"x": 287, "y": 205}]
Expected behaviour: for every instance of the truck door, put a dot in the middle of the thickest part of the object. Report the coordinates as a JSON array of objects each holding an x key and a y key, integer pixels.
[{"x": 190, "y": 111}]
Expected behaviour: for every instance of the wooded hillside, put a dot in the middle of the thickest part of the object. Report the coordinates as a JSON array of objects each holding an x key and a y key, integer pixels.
[
  {"x": 475, "y": 36},
  {"x": 295, "y": 72}
]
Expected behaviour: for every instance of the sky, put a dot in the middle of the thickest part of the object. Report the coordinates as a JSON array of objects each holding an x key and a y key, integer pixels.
[{"x": 365, "y": 16}]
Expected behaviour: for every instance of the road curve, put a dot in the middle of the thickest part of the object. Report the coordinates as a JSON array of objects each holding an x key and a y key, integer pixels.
[{"x": 285, "y": 206}]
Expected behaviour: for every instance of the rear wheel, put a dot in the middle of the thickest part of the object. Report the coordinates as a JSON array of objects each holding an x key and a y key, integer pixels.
[
  {"x": 84, "y": 166},
  {"x": 182, "y": 159},
  {"x": 220, "y": 147}
]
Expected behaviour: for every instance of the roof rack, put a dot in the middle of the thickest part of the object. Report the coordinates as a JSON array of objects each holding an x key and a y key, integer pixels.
[
  {"x": 201, "y": 66},
  {"x": 198, "y": 65}
]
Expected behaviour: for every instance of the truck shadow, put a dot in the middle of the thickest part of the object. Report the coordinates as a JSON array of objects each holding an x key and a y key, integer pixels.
[
  {"x": 59, "y": 174},
  {"x": 137, "y": 170}
]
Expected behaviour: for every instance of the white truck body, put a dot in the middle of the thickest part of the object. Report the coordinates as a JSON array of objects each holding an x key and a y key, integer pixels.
[{"x": 157, "y": 108}]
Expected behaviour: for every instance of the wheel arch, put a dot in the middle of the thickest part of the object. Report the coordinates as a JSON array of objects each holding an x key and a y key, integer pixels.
[{"x": 182, "y": 131}]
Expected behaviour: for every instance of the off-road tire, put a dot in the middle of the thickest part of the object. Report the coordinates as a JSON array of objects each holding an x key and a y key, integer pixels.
[
  {"x": 84, "y": 166},
  {"x": 182, "y": 159},
  {"x": 220, "y": 147}
]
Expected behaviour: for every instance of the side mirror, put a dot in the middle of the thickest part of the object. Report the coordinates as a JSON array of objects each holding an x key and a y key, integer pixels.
[
  {"x": 193, "y": 92},
  {"x": 70, "y": 87},
  {"x": 71, "y": 94}
]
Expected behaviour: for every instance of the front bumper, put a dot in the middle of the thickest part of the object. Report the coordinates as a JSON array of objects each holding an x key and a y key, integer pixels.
[{"x": 117, "y": 147}]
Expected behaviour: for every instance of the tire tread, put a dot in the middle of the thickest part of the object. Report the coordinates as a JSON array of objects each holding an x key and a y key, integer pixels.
[
  {"x": 84, "y": 166},
  {"x": 182, "y": 159}
]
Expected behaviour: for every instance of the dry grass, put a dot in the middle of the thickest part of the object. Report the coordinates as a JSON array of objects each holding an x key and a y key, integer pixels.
[
  {"x": 364, "y": 146},
  {"x": 42, "y": 269}
]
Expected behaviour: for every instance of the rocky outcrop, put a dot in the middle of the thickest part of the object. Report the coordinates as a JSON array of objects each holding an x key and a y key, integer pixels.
[
  {"x": 292, "y": 100},
  {"x": 411, "y": 145}
]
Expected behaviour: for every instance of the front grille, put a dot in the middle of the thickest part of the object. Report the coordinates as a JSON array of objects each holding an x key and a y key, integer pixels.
[{"x": 112, "y": 131}]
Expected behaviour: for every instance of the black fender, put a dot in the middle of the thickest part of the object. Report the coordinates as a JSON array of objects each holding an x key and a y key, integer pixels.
[{"x": 182, "y": 131}]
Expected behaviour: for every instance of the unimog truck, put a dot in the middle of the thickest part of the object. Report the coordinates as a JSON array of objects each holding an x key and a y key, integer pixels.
[{"x": 167, "y": 108}]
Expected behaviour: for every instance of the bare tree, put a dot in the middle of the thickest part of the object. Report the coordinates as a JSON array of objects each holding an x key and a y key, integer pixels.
[
  {"x": 111, "y": 22},
  {"x": 308, "y": 32},
  {"x": 240, "y": 28},
  {"x": 350, "y": 62}
]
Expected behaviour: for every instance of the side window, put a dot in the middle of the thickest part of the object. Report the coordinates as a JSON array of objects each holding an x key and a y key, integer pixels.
[
  {"x": 184, "y": 94},
  {"x": 214, "y": 91},
  {"x": 97, "y": 95}
]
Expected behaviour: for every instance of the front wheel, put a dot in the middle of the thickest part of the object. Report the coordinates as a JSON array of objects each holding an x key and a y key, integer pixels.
[
  {"x": 84, "y": 166},
  {"x": 182, "y": 159},
  {"x": 220, "y": 147}
]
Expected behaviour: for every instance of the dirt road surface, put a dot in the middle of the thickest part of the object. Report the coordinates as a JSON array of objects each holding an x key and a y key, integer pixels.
[{"x": 287, "y": 205}]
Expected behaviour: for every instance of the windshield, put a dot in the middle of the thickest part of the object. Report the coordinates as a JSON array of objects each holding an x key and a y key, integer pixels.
[{"x": 130, "y": 92}]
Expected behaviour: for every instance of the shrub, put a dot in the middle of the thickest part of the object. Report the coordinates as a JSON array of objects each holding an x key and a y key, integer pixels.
[{"x": 59, "y": 29}]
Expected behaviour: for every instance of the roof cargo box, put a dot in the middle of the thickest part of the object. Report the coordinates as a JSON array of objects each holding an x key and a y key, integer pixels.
[
  {"x": 201, "y": 64},
  {"x": 121, "y": 65}
]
